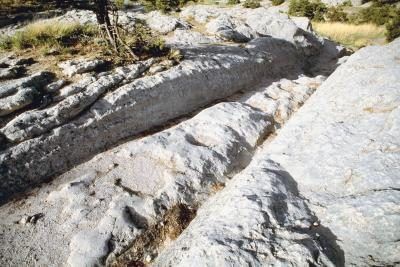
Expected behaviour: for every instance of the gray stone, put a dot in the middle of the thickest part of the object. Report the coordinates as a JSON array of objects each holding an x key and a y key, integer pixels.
[
  {"x": 188, "y": 38},
  {"x": 78, "y": 66},
  {"x": 200, "y": 13},
  {"x": 11, "y": 72},
  {"x": 230, "y": 29},
  {"x": 76, "y": 87},
  {"x": 329, "y": 179},
  {"x": 163, "y": 23},
  {"x": 156, "y": 68},
  {"x": 350, "y": 128},
  {"x": 303, "y": 23},
  {"x": 21, "y": 99},
  {"x": 36, "y": 122},
  {"x": 207, "y": 74},
  {"x": 281, "y": 26},
  {"x": 55, "y": 86},
  {"x": 133, "y": 71},
  {"x": 257, "y": 220},
  {"x": 37, "y": 80},
  {"x": 115, "y": 196}
]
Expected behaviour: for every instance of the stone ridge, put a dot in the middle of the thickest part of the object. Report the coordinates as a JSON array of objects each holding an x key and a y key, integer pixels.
[
  {"x": 95, "y": 211},
  {"x": 325, "y": 191},
  {"x": 208, "y": 74}
]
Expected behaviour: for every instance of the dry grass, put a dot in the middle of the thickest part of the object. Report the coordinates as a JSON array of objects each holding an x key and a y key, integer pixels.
[
  {"x": 350, "y": 35},
  {"x": 48, "y": 34}
]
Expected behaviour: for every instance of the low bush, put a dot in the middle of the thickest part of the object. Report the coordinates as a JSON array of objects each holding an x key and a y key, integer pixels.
[
  {"x": 143, "y": 42},
  {"x": 164, "y": 5},
  {"x": 347, "y": 3},
  {"x": 233, "y": 2},
  {"x": 251, "y": 4},
  {"x": 70, "y": 38},
  {"x": 314, "y": 10},
  {"x": 277, "y": 2},
  {"x": 381, "y": 13},
  {"x": 393, "y": 27},
  {"x": 377, "y": 13},
  {"x": 336, "y": 14}
]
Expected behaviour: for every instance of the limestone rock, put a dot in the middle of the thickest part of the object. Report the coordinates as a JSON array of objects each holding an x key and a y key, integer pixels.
[
  {"x": 230, "y": 29},
  {"x": 257, "y": 220},
  {"x": 36, "y": 122},
  {"x": 22, "y": 98},
  {"x": 76, "y": 87},
  {"x": 189, "y": 38},
  {"x": 163, "y": 23},
  {"x": 303, "y": 23},
  {"x": 11, "y": 72},
  {"x": 281, "y": 26},
  {"x": 80, "y": 16},
  {"x": 149, "y": 101},
  {"x": 329, "y": 178},
  {"x": 37, "y": 80},
  {"x": 17, "y": 94},
  {"x": 117, "y": 195},
  {"x": 78, "y": 66},
  {"x": 353, "y": 138},
  {"x": 200, "y": 13},
  {"x": 55, "y": 86}
]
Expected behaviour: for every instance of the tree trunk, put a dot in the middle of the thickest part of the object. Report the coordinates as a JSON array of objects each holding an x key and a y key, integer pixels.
[{"x": 102, "y": 8}]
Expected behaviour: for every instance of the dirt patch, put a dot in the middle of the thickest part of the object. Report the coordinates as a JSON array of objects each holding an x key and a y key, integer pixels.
[{"x": 147, "y": 246}]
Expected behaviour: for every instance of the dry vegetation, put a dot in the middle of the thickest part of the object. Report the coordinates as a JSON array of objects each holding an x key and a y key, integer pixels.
[
  {"x": 49, "y": 34},
  {"x": 354, "y": 36},
  {"x": 51, "y": 41}
]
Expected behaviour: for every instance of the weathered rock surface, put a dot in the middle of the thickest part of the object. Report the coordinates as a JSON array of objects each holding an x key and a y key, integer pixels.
[
  {"x": 37, "y": 80},
  {"x": 22, "y": 98},
  {"x": 99, "y": 212},
  {"x": 78, "y": 66},
  {"x": 259, "y": 219},
  {"x": 189, "y": 38},
  {"x": 11, "y": 72},
  {"x": 17, "y": 94},
  {"x": 207, "y": 74},
  {"x": 36, "y": 122},
  {"x": 163, "y": 23},
  {"x": 324, "y": 191},
  {"x": 230, "y": 29},
  {"x": 117, "y": 195}
]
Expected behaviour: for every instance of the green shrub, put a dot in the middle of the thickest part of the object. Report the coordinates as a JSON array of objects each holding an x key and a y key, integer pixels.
[
  {"x": 313, "y": 10},
  {"x": 163, "y": 5},
  {"x": 393, "y": 27},
  {"x": 277, "y": 2},
  {"x": 143, "y": 42},
  {"x": 347, "y": 3},
  {"x": 252, "y": 4},
  {"x": 377, "y": 13},
  {"x": 336, "y": 14},
  {"x": 233, "y": 2}
]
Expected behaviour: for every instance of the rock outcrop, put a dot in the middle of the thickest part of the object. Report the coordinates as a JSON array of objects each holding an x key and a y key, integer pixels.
[
  {"x": 325, "y": 191},
  {"x": 95, "y": 211},
  {"x": 48, "y": 141},
  {"x": 209, "y": 161}
]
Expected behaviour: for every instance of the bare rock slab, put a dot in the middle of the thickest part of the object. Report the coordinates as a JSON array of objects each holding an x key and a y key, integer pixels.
[
  {"x": 330, "y": 179},
  {"x": 79, "y": 66}
]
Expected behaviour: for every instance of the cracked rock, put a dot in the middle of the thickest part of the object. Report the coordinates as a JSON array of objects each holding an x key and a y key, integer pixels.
[{"x": 79, "y": 66}]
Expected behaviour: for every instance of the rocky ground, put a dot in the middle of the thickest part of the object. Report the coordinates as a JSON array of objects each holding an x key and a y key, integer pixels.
[{"x": 202, "y": 163}]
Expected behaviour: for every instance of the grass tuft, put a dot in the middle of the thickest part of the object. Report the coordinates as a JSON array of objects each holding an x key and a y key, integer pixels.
[
  {"x": 47, "y": 34},
  {"x": 350, "y": 35}
]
